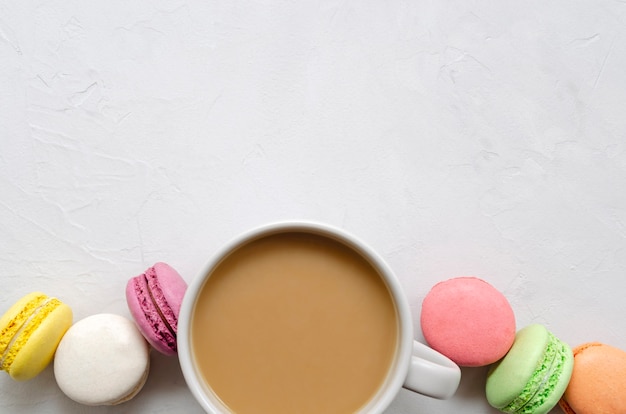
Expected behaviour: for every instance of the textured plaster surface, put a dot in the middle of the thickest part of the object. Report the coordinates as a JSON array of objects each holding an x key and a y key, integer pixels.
[{"x": 456, "y": 138}]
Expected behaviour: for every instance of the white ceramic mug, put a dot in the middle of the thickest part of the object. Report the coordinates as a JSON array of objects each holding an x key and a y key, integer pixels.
[{"x": 415, "y": 366}]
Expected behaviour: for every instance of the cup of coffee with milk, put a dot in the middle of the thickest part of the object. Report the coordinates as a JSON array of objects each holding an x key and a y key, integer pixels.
[{"x": 302, "y": 317}]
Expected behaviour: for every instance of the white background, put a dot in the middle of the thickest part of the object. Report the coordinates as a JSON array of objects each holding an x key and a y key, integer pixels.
[{"x": 455, "y": 137}]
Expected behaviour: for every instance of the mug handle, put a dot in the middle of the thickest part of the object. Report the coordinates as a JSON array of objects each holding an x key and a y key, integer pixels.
[{"x": 431, "y": 373}]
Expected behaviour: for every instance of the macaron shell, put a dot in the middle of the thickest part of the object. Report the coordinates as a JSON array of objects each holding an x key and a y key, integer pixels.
[
  {"x": 468, "y": 320},
  {"x": 598, "y": 383},
  {"x": 102, "y": 360},
  {"x": 147, "y": 317},
  {"x": 508, "y": 377},
  {"x": 38, "y": 350}
]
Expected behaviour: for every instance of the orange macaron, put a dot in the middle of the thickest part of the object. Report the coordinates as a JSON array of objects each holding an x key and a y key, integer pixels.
[{"x": 598, "y": 383}]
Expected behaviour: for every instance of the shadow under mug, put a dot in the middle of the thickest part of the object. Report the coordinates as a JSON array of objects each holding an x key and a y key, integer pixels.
[{"x": 415, "y": 366}]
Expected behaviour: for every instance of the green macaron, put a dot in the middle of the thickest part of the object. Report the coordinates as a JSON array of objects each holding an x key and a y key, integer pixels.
[{"x": 533, "y": 375}]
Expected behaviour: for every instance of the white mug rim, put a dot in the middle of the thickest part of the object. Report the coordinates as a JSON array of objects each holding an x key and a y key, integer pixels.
[{"x": 397, "y": 373}]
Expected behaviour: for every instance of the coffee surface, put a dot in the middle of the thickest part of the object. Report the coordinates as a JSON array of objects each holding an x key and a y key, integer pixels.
[{"x": 294, "y": 323}]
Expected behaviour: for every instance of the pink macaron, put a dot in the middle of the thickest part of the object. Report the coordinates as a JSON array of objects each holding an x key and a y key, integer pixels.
[
  {"x": 154, "y": 299},
  {"x": 468, "y": 320}
]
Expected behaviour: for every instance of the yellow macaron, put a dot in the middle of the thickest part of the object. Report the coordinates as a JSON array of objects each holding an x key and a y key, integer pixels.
[{"x": 30, "y": 332}]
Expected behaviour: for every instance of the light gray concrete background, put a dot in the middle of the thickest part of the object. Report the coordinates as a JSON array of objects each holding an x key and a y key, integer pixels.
[{"x": 456, "y": 138}]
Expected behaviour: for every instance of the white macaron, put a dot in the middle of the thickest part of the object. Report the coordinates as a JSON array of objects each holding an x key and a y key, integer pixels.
[{"x": 102, "y": 360}]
